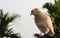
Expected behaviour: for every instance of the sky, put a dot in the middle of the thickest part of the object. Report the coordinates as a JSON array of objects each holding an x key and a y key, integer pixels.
[{"x": 25, "y": 24}]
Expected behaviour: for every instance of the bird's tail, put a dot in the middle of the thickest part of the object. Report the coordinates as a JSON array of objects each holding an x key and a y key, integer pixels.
[{"x": 51, "y": 33}]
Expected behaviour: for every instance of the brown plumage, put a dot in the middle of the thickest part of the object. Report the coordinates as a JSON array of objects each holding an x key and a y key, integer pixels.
[{"x": 43, "y": 22}]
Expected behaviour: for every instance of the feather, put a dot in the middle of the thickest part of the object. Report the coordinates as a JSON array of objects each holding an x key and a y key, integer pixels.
[{"x": 43, "y": 22}]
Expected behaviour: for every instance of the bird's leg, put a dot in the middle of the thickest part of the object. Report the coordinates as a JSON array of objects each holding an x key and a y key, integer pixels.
[{"x": 47, "y": 31}]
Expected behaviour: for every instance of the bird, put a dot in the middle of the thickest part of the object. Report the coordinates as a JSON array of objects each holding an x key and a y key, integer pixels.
[{"x": 43, "y": 22}]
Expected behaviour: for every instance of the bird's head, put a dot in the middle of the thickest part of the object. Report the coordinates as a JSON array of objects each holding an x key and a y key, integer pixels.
[{"x": 34, "y": 11}]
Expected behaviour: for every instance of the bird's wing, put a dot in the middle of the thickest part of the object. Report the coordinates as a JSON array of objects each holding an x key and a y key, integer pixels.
[
  {"x": 50, "y": 26},
  {"x": 49, "y": 23}
]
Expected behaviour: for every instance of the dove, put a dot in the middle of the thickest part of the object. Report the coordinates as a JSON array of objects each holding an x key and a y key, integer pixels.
[{"x": 43, "y": 22}]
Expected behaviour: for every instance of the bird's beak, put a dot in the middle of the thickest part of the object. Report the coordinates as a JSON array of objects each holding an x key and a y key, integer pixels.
[{"x": 30, "y": 14}]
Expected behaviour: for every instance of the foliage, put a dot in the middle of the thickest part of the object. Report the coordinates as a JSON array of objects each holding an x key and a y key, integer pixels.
[{"x": 5, "y": 19}]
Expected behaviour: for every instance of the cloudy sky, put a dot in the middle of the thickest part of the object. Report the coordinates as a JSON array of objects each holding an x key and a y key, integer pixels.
[{"x": 25, "y": 24}]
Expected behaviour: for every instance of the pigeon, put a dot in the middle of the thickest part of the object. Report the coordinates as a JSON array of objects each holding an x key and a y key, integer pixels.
[{"x": 43, "y": 22}]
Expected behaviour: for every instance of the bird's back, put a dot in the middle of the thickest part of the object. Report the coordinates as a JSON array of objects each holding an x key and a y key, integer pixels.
[{"x": 43, "y": 22}]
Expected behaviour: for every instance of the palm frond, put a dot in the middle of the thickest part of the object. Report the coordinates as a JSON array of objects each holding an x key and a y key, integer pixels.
[
  {"x": 5, "y": 19},
  {"x": 1, "y": 13},
  {"x": 14, "y": 36}
]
